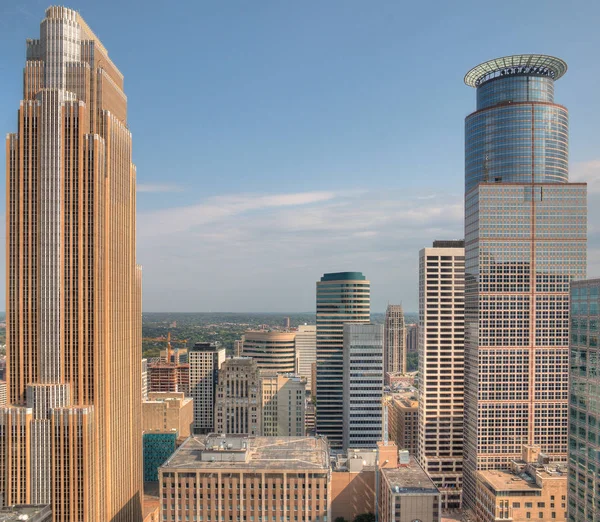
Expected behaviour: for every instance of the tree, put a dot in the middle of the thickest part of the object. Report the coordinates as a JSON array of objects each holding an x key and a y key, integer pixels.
[
  {"x": 340, "y": 519},
  {"x": 365, "y": 517}
]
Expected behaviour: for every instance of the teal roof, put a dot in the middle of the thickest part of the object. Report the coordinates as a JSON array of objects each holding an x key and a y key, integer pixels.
[{"x": 344, "y": 276}]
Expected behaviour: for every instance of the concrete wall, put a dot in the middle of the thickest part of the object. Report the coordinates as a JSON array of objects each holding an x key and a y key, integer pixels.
[{"x": 352, "y": 494}]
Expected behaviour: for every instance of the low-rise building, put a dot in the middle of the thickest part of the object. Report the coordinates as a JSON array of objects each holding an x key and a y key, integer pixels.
[
  {"x": 406, "y": 493},
  {"x": 217, "y": 478},
  {"x": 158, "y": 447},
  {"x": 533, "y": 488},
  {"x": 167, "y": 412}
]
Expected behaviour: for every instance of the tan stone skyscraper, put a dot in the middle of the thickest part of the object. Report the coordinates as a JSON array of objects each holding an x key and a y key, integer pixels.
[
  {"x": 71, "y": 434},
  {"x": 394, "y": 340}
]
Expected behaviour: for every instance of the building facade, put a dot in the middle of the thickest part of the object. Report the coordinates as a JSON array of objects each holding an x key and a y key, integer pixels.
[
  {"x": 3, "y": 393},
  {"x": 343, "y": 297},
  {"x": 73, "y": 301},
  {"x": 441, "y": 367},
  {"x": 238, "y": 405},
  {"x": 584, "y": 403},
  {"x": 407, "y": 494},
  {"x": 205, "y": 359},
  {"x": 525, "y": 241},
  {"x": 168, "y": 377},
  {"x": 168, "y": 412},
  {"x": 283, "y": 405},
  {"x": 412, "y": 338},
  {"x": 363, "y": 385},
  {"x": 144, "y": 379},
  {"x": 403, "y": 422},
  {"x": 272, "y": 350},
  {"x": 394, "y": 340},
  {"x": 306, "y": 351},
  {"x": 533, "y": 488},
  {"x": 223, "y": 478}
]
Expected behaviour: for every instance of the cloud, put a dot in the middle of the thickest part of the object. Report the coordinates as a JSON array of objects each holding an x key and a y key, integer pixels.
[
  {"x": 265, "y": 252},
  {"x": 158, "y": 188},
  {"x": 588, "y": 172}
]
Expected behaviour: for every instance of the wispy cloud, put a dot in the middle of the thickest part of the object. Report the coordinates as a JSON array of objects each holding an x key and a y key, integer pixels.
[{"x": 158, "y": 188}]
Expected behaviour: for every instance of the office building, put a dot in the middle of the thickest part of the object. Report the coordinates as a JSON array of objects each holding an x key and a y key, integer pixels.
[
  {"x": 412, "y": 338},
  {"x": 394, "y": 340},
  {"x": 362, "y": 385},
  {"x": 525, "y": 241},
  {"x": 342, "y": 297},
  {"x": 309, "y": 417},
  {"x": 403, "y": 422},
  {"x": 158, "y": 447},
  {"x": 306, "y": 351},
  {"x": 584, "y": 403},
  {"x": 406, "y": 494},
  {"x": 273, "y": 351},
  {"x": 168, "y": 412},
  {"x": 224, "y": 477},
  {"x": 3, "y": 394},
  {"x": 31, "y": 513},
  {"x": 238, "y": 405},
  {"x": 441, "y": 367},
  {"x": 144, "y": 379},
  {"x": 533, "y": 488},
  {"x": 174, "y": 355},
  {"x": 73, "y": 297},
  {"x": 283, "y": 408},
  {"x": 205, "y": 359}
]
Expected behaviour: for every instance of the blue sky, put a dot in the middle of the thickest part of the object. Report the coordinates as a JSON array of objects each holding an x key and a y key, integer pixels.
[{"x": 275, "y": 141}]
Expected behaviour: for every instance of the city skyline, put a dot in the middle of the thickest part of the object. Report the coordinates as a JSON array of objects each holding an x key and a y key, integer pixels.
[{"x": 313, "y": 204}]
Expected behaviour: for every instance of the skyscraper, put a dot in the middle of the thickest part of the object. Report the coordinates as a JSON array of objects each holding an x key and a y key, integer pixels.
[
  {"x": 205, "y": 361},
  {"x": 306, "y": 351},
  {"x": 584, "y": 404},
  {"x": 343, "y": 297},
  {"x": 71, "y": 435},
  {"x": 525, "y": 240},
  {"x": 363, "y": 385},
  {"x": 441, "y": 367},
  {"x": 394, "y": 340}
]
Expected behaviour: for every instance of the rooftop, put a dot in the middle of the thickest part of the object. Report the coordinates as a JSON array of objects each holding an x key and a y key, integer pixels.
[
  {"x": 409, "y": 479},
  {"x": 517, "y": 64},
  {"x": 29, "y": 512},
  {"x": 344, "y": 276},
  {"x": 250, "y": 453},
  {"x": 507, "y": 481}
]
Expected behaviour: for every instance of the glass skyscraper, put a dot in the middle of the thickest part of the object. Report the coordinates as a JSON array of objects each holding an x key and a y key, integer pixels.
[
  {"x": 343, "y": 297},
  {"x": 584, "y": 403},
  {"x": 525, "y": 241}
]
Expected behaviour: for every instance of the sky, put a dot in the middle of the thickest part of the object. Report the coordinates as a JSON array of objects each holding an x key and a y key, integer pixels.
[{"x": 277, "y": 141}]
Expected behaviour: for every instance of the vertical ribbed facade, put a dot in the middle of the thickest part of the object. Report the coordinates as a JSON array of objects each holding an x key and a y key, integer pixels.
[
  {"x": 441, "y": 373},
  {"x": 342, "y": 297},
  {"x": 73, "y": 287},
  {"x": 394, "y": 340},
  {"x": 525, "y": 241}
]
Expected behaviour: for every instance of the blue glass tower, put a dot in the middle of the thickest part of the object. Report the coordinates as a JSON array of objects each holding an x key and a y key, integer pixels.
[{"x": 525, "y": 241}]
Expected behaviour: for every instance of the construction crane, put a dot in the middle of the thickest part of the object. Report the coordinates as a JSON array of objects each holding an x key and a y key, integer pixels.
[{"x": 168, "y": 340}]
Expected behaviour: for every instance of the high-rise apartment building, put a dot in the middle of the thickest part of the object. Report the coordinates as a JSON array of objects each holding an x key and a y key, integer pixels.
[
  {"x": 272, "y": 350},
  {"x": 283, "y": 405},
  {"x": 525, "y": 241},
  {"x": 306, "y": 351},
  {"x": 584, "y": 403},
  {"x": 441, "y": 367},
  {"x": 71, "y": 434},
  {"x": 238, "y": 405},
  {"x": 394, "y": 340},
  {"x": 205, "y": 359},
  {"x": 343, "y": 297},
  {"x": 362, "y": 385}
]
